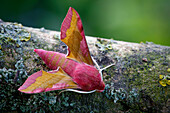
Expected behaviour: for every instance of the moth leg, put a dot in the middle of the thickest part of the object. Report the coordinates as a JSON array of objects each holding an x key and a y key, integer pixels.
[{"x": 98, "y": 67}]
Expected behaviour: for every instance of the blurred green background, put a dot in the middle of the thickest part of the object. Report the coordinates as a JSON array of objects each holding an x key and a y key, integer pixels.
[{"x": 126, "y": 20}]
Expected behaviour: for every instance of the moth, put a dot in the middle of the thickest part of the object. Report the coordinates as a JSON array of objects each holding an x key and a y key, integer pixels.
[{"x": 72, "y": 72}]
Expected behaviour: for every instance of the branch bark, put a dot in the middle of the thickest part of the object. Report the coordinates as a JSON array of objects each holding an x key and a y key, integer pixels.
[{"x": 132, "y": 83}]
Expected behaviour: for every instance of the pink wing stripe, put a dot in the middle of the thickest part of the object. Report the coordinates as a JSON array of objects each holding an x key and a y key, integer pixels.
[
  {"x": 58, "y": 61},
  {"x": 66, "y": 23},
  {"x": 51, "y": 59},
  {"x": 65, "y": 64},
  {"x": 83, "y": 46},
  {"x": 57, "y": 86},
  {"x": 37, "y": 90},
  {"x": 48, "y": 57},
  {"x": 69, "y": 66},
  {"x": 30, "y": 80},
  {"x": 79, "y": 24}
]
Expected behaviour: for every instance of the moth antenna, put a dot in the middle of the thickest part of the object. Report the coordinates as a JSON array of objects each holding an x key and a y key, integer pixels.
[{"x": 107, "y": 67}]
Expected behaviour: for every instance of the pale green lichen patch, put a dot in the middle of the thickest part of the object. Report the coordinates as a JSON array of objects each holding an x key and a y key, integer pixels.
[
  {"x": 165, "y": 79},
  {"x": 13, "y": 33}
]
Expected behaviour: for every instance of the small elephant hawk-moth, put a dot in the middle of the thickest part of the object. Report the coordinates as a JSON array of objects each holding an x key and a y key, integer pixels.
[{"x": 72, "y": 72}]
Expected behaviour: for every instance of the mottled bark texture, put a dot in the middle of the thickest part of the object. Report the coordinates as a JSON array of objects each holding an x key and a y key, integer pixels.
[{"x": 137, "y": 82}]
